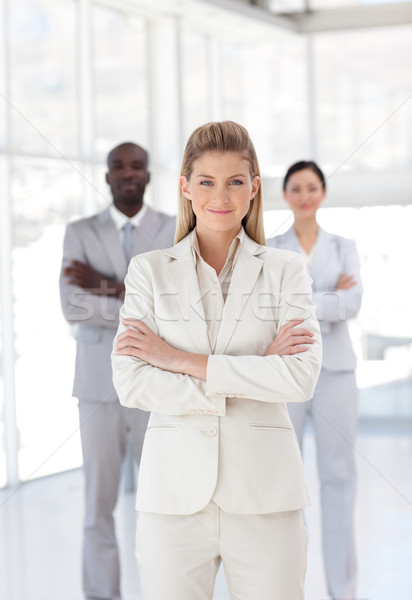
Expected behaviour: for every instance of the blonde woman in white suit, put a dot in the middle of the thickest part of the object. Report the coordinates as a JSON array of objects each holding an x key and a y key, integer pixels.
[
  {"x": 333, "y": 264},
  {"x": 217, "y": 333}
]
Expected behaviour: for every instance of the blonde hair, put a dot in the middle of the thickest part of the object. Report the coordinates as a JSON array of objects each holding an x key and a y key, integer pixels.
[{"x": 225, "y": 136}]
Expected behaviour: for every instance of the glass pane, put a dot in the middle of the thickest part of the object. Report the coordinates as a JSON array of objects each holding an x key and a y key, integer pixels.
[
  {"x": 120, "y": 80},
  {"x": 382, "y": 332},
  {"x": 363, "y": 83},
  {"x": 232, "y": 81},
  {"x": 260, "y": 84},
  {"x": 195, "y": 91},
  {"x": 3, "y": 465},
  {"x": 275, "y": 104},
  {"x": 44, "y": 197},
  {"x": 287, "y": 6},
  {"x": 43, "y": 81},
  {"x": 315, "y": 4}
]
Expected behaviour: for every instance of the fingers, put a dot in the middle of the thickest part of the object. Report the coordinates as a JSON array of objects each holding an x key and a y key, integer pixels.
[
  {"x": 291, "y": 324},
  {"x": 135, "y": 337},
  {"x": 128, "y": 339},
  {"x": 293, "y": 350},
  {"x": 77, "y": 267},
  {"x": 345, "y": 282},
  {"x": 77, "y": 273},
  {"x": 77, "y": 264},
  {"x": 136, "y": 324},
  {"x": 302, "y": 339},
  {"x": 301, "y": 331},
  {"x": 290, "y": 336},
  {"x": 296, "y": 344}
]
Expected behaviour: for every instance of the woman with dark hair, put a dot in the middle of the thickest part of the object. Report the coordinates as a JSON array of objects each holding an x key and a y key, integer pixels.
[
  {"x": 216, "y": 335},
  {"x": 333, "y": 264}
]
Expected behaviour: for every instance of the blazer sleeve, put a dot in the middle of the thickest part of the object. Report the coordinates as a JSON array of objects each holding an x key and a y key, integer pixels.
[
  {"x": 139, "y": 384},
  {"x": 274, "y": 378},
  {"x": 333, "y": 306},
  {"x": 78, "y": 305}
]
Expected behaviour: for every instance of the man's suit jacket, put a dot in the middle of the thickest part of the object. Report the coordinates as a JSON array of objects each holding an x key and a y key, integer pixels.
[
  {"x": 230, "y": 437},
  {"x": 96, "y": 241},
  {"x": 333, "y": 255}
]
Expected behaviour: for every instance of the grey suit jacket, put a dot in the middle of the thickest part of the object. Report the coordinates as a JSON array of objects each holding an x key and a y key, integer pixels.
[
  {"x": 333, "y": 255},
  {"x": 96, "y": 241}
]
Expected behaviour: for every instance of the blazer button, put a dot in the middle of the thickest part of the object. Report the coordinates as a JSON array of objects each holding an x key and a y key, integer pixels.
[{"x": 211, "y": 431}]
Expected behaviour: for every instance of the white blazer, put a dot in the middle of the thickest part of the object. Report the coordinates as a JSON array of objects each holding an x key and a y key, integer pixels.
[
  {"x": 333, "y": 255},
  {"x": 229, "y": 438}
]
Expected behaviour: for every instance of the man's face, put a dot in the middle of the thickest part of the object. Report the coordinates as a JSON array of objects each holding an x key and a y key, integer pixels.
[{"x": 127, "y": 175}]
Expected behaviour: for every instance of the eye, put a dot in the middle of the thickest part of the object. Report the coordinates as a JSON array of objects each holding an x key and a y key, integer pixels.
[
  {"x": 206, "y": 183},
  {"x": 236, "y": 182}
]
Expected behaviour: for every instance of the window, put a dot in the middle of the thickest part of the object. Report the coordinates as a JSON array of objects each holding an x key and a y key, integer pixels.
[{"x": 121, "y": 95}]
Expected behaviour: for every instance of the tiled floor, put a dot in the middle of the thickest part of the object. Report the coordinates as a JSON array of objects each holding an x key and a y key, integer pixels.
[{"x": 40, "y": 528}]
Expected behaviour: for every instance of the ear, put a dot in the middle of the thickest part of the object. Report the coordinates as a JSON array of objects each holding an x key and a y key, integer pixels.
[
  {"x": 107, "y": 178},
  {"x": 184, "y": 186},
  {"x": 148, "y": 176},
  {"x": 255, "y": 186}
]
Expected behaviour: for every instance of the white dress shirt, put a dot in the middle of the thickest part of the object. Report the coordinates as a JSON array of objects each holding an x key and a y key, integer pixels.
[
  {"x": 214, "y": 287},
  {"x": 120, "y": 219}
]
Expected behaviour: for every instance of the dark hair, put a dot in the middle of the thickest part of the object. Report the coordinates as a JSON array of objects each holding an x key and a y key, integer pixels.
[
  {"x": 300, "y": 166},
  {"x": 129, "y": 145}
]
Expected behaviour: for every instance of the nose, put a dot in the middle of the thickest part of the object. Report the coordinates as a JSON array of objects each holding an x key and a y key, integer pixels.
[
  {"x": 127, "y": 172},
  {"x": 221, "y": 195}
]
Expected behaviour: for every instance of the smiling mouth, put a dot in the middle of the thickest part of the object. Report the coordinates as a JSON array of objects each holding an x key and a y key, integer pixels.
[{"x": 219, "y": 212}]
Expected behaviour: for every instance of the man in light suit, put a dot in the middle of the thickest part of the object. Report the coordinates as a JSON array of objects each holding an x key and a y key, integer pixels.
[{"x": 96, "y": 254}]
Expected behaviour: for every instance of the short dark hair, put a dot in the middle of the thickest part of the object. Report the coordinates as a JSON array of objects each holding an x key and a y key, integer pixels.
[
  {"x": 300, "y": 166},
  {"x": 129, "y": 144}
]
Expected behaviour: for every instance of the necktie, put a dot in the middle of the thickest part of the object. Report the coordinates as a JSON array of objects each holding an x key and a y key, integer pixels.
[{"x": 128, "y": 240}]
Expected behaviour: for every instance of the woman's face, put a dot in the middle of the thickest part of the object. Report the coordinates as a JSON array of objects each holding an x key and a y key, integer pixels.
[
  {"x": 220, "y": 189},
  {"x": 304, "y": 193}
]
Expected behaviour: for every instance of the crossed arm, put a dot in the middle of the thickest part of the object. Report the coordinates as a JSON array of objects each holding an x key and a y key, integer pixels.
[
  {"x": 139, "y": 341},
  {"x": 84, "y": 276},
  {"x": 151, "y": 374}
]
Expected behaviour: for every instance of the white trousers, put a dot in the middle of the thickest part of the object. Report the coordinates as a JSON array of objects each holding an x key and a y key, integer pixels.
[
  {"x": 334, "y": 416},
  {"x": 264, "y": 556}
]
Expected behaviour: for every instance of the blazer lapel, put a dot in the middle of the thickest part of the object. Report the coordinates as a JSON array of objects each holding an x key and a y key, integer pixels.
[
  {"x": 183, "y": 276},
  {"x": 321, "y": 255},
  {"x": 247, "y": 268},
  {"x": 291, "y": 241},
  {"x": 146, "y": 233},
  {"x": 109, "y": 236}
]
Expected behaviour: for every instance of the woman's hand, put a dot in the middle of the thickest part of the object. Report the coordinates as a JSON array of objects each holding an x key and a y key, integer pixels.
[
  {"x": 141, "y": 342},
  {"x": 290, "y": 340},
  {"x": 345, "y": 282}
]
